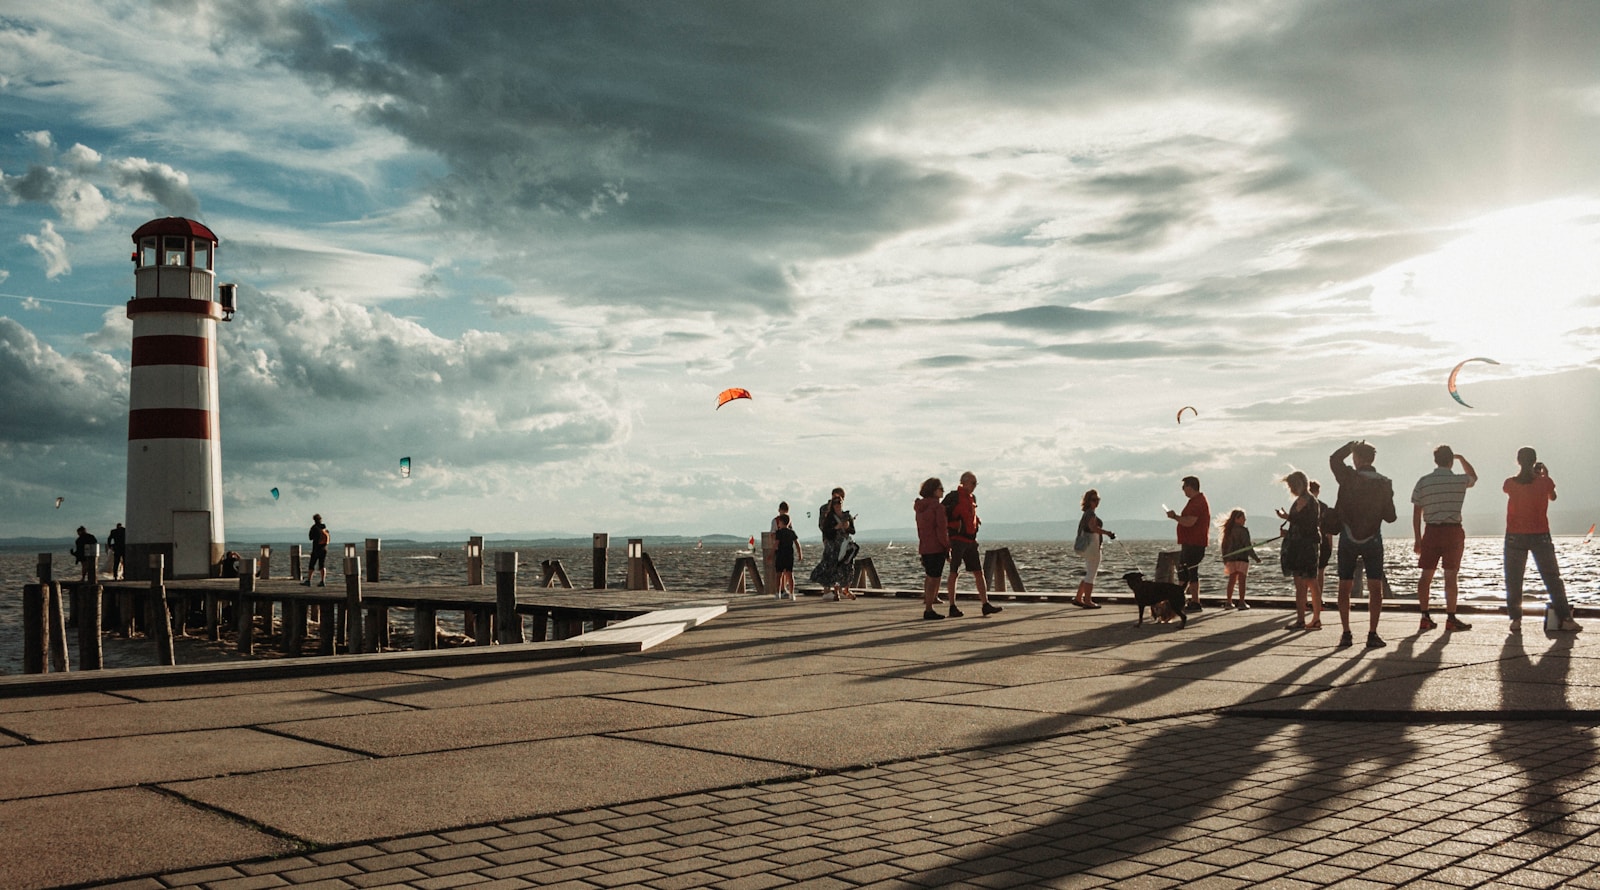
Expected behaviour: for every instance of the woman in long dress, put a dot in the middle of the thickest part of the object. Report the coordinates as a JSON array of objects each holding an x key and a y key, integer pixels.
[
  {"x": 837, "y": 568},
  {"x": 1302, "y": 543}
]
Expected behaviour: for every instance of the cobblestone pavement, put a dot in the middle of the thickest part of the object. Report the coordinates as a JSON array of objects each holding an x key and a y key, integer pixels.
[{"x": 1201, "y": 802}]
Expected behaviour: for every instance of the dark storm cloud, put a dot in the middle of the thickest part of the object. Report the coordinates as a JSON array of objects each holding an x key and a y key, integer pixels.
[
  {"x": 1050, "y": 318},
  {"x": 52, "y": 398}
]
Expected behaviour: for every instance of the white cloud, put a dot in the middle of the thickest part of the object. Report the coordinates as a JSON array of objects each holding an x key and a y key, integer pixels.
[{"x": 52, "y": 250}]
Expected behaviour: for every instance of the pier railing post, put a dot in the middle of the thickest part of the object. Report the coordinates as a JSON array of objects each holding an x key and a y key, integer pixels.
[
  {"x": 58, "y": 631},
  {"x": 374, "y": 547},
  {"x": 769, "y": 555},
  {"x": 475, "y": 560},
  {"x": 637, "y": 579},
  {"x": 294, "y": 562},
  {"x": 89, "y": 597},
  {"x": 244, "y": 611},
  {"x": 36, "y": 625},
  {"x": 354, "y": 629},
  {"x": 507, "y": 621},
  {"x": 426, "y": 627},
  {"x": 264, "y": 563},
  {"x": 161, "y": 627},
  {"x": 602, "y": 548}
]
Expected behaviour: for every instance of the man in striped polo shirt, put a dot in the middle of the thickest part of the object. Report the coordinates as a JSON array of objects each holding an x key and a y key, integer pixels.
[{"x": 1436, "y": 523}]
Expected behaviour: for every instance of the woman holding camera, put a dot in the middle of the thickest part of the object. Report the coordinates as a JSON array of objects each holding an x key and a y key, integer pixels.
[{"x": 1528, "y": 531}]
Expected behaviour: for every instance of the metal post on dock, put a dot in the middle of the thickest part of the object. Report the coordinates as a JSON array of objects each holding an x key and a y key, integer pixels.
[
  {"x": 161, "y": 627},
  {"x": 58, "y": 631},
  {"x": 475, "y": 561},
  {"x": 264, "y": 565},
  {"x": 374, "y": 547},
  {"x": 354, "y": 625},
  {"x": 244, "y": 612},
  {"x": 602, "y": 548},
  {"x": 91, "y": 657},
  {"x": 508, "y": 622}
]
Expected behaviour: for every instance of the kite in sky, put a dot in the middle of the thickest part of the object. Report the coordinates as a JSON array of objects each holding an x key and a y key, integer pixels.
[
  {"x": 729, "y": 395},
  {"x": 274, "y": 494},
  {"x": 1590, "y": 535},
  {"x": 405, "y": 468},
  {"x": 1188, "y": 408},
  {"x": 1451, "y": 384},
  {"x": 58, "y": 502}
]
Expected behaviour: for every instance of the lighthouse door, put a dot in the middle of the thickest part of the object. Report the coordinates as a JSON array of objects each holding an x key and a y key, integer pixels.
[{"x": 191, "y": 544}]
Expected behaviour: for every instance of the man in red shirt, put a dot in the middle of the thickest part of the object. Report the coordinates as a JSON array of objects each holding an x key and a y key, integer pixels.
[
  {"x": 1194, "y": 534},
  {"x": 961, "y": 509}
]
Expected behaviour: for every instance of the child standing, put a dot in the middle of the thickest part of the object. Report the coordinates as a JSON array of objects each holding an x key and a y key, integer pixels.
[
  {"x": 1236, "y": 556},
  {"x": 788, "y": 550}
]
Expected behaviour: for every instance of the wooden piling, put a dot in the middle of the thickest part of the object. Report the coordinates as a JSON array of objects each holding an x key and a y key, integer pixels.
[
  {"x": 998, "y": 568},
  {"x": 36, "y": 626},
  {"x": 602, "y": 550},
  {"x": 327, "y": 628},
  {"x": 636, "y": 576},
  {"x": 507, "y": 621},
  {"x": 244, "y": 608},
  {"x": 374, "y": 547},
  {"x": 294, "y": 625},
  {"x": 1167, "y": 563},
  {"x": 482, "y": 620},
  {"x": 426, "y": 624},
  {"x": 554, "y": 574},
  {"x": 89, "y": 597},
  {"x": 866, "y": 575},
  {"x": 769, "y": 556},
  {"x": 294, "y": 562},
  {"x": 58, "y": 631},
  {"x": 745, "y": 570},
  {"x": 352, "y": 605},
  {"x": 264, "y": 563},
  {"x": 475, "y": 561},
  {"x": 161, "y": 626}
]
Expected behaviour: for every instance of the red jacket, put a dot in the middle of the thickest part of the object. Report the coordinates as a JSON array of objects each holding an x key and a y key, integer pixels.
[{"x": 933, "y": 530}]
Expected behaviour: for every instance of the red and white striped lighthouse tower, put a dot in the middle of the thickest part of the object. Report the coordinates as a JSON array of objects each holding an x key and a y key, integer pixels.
[{"x": 174, "y": 438}]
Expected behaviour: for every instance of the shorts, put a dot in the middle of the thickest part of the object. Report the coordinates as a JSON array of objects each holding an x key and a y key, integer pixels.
[
  {"x": 1324, "y": 552},
  {"x": 1442, "y": 543},
  {"x": 964, "y": 555},
  {"x": 1236, "y": 567},
  {"x": 1369, "y": 552},
  {"x": 319, "y": 558},
  {"x": 1189, "y": 558},
  {"x": 933, "y": 564},
  {"x": 783, "y": 561}
]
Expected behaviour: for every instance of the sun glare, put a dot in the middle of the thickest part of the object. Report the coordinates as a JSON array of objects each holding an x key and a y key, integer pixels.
[{"x": 1514, "y": 285}]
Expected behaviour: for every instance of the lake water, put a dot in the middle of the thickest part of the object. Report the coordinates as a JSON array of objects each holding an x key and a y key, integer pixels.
[{"x": 1043, "y": 565}]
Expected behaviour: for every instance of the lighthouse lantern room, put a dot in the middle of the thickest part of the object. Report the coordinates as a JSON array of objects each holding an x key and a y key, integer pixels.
[{"x": 174, "y": 505}]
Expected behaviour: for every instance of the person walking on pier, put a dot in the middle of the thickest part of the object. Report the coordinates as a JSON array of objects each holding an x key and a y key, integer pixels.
[
  {"x": 1529, "y": 495},
  {"x": 933, "y": 543},
  {"x": 961, "y": 513},
  {"x": 319, "y": 551},
  {"x": 1365, "y": 503},
  {"x": 80, "y": 552},
  {"x": 1194, "y": 535},
  {"x": 838, "y": 550},
  {"x": 1436, "y": 529},
  {"x": 117, "y": 543}
]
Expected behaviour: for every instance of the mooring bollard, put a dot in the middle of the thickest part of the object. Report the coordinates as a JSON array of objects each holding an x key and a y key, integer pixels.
[
  {"x": 58, "y": 631},
  {"x": 35, "y": 627},
  {"x": 244, "y": 610},
  {"x": 602, "y": 549},
  {"x": 91, "y": 657},
  {"x": 354, "y": 632},
  {"x": 264, "y": 565},
  {"x": 475, "y": 560},
  {"x": 636, "y": 572},
  {"x": 374, "y": 547},
  {"x": 294, "y": 562},
  {"x": 161, "y": 627},
  {"x": 505, "y": 598}
]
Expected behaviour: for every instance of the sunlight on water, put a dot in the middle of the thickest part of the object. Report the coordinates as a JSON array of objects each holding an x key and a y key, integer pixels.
[{"x": 1044, "y": 565}]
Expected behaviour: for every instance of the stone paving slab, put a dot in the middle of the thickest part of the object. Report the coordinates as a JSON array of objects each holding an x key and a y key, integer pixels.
[
  {"x": 1126, "y": 697},
  {"x": 357, "y": 800},
  {"x": 286, "y": 684},
  {"x": 102, "y": 835},
  {"x": 19, "y": 704},
  {"x": 732, "y": 669},
  {"x": 144, "y": 718},
  {"x": 1015, "y": 670},
  {"x": 415, "y": 732},
  {"x": 39, "y": 770},
  {"x": 872, "y": 733},
  {"x": 505, "y": 683},
  {"x": 789, "y": 695},
  {"x": 1444, "y": 693}
]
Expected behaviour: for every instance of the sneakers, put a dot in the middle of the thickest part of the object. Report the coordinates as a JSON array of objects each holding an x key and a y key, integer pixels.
[
  {"x": 1243, "y": 605},
  {"x": 1375, "y": 642},
  {"x": 1228, "y": 605},
  {"x": 930, "y": 615},
  {"x": 1516, "y": 626},
  {"x": 1451, "y": 622},
  {"x": 954, "y": 612},
  {"x": 1345, "y": 640},
  {"x": 1426, "y": 624},
  {"x": 1193, "y": 607},
  {"x": 1569, "y": 625},
  {"x": 990, "y": 608}
]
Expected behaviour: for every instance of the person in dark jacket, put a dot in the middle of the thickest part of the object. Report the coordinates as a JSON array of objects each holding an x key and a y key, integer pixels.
[{"x": 1365, "y": 503}]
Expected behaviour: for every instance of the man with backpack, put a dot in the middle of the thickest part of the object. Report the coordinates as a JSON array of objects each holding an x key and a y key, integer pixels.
[
  {"x": 319, "y": 550},
  {"x": 961, "y": 511},
  {"x": 1366, "y": 501}
]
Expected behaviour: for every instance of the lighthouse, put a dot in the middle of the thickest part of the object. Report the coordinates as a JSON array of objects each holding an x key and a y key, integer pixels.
[{"x": 174, "y": 504}]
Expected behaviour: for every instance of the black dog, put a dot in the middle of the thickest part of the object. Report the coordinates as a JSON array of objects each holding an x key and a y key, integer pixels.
[{"x": 1159, "y": 596}]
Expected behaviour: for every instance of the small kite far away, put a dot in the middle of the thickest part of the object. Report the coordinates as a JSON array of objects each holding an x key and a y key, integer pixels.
[
  {"x": 1451, "y": 383},
  {"x": 274, "y": 494},
  {"x": 58, "y": 502},
  {"x": 1188, "y": 408},
  {"x": 405, "y": 468},
  {"x": 729, "y": 395}
]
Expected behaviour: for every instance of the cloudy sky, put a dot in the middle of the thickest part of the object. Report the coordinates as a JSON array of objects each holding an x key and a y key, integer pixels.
[{"x": 526, "y": 244}]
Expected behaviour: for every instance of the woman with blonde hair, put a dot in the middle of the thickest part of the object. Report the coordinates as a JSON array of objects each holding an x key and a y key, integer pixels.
[
  {"x": 1302, "y": 543},
  {"x": 1087, "y": 544}
]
